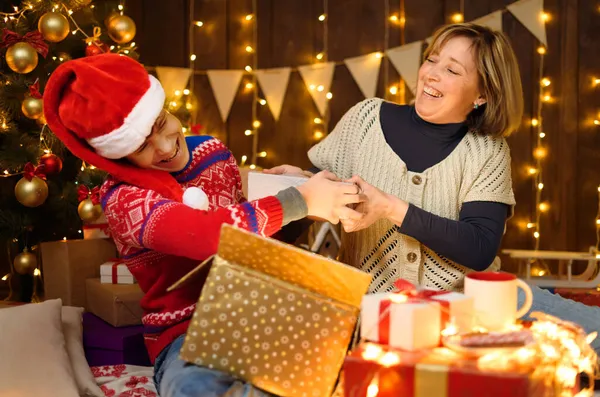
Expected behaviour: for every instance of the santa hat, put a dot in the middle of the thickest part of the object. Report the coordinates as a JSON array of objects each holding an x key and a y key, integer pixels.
[{"x": 103, "y": 108}]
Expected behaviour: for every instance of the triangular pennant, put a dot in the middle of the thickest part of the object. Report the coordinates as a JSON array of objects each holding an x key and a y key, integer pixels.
[
  {"x": 492, "y": 21},
  {"x": 225, "y": 85},
  {"x": 365, "y": 70},
  {"x": 318, "y": 79},
  {"x": 407, "y": 61},
  {"x": 273, "y": 83},
  {"x": 173, "y": 80},
  {"x": 529, "y": 13}
]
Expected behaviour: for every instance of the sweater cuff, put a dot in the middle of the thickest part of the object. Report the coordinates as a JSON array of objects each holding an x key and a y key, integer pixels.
[
  {"x": 408, "y": 224},
  {"x": 293, "y": 205}
]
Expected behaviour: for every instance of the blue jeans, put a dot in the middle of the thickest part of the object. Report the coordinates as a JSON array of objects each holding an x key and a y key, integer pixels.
[
  {"x": 176, "y": 378},
  {"x": 588, "y": 317}
]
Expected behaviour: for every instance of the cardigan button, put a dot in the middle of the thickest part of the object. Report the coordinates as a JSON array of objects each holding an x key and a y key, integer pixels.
[
  {"x": 417, "y": 180},
  {"x": 411, "y": 257}
]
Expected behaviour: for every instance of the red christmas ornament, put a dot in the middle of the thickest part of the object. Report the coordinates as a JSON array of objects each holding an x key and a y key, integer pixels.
[
  {"x": 96, "y": 48},
  {"x": 52, "y": 164},
  {"x": 94, "y": 45}
]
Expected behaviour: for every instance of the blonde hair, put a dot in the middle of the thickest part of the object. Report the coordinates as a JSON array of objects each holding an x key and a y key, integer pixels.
[{"x": 499, "y": 78}]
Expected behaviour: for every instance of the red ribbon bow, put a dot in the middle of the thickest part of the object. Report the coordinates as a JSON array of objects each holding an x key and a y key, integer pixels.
[
  {"x": 196, "y": 128},
  {"x": 29, "y": 171},
  {"x": 413, "y": 295},
  {"x": 34, "y": 90},
  {"x": 34, "y": 39},
  {"x": 84, "y": 192},
  {"x": 115, "y": 270}
]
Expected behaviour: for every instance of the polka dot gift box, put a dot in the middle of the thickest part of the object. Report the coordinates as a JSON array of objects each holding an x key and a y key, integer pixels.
[{"x": 275, "y": 315}]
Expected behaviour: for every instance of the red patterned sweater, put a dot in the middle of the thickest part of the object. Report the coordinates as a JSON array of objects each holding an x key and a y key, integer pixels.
[{"x": 161, "y": 240}]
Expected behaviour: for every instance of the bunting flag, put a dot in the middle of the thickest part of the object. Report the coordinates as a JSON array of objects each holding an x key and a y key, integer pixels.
[
  {"x": 492, "y": 21},
  {"x": 365, "y": 70},
  {"x": 318, "y": 78},
  {"x": 407, "y": 61},
  {"x": 529, "y": 13},
  {"x": 273, "y": 83},
  {"x": 173, "y": 80},
  {"x": 225, "y": 84}
]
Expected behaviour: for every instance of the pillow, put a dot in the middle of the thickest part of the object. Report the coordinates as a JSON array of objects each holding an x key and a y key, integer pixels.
[
  {"x": 73, "y": 331},
  {"x": 34, "y": 361}
]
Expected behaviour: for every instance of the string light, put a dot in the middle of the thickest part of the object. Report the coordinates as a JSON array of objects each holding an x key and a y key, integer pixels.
[
  {"x": 199, "y": 23},
  {"x": 322, "y": 17},
  {"x": 540, "y": 152},
  {"x": 457, "y": 18}
]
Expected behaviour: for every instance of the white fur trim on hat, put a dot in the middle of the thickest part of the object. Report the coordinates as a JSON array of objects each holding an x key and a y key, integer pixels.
[
  {"x": 135, "y": 129},
  {"x": 196, "y": 198}
]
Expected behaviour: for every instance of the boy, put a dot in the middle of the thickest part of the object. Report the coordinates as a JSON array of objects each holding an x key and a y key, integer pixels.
[{"x": 167, "y": 197}]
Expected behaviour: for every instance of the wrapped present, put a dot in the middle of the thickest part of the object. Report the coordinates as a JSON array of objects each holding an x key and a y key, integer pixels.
[
  {"x": 95, "y": 231},
  {"x": 412, "y": 319},
  {"x": 441, "y": 372},
  {"x": 115, "y": 272},
  {"x": 277, "y": 316},
  {"x": 67, "y": 264},
  {"x": 107, "y": 345},
  {"x": 117, "y": 304}
]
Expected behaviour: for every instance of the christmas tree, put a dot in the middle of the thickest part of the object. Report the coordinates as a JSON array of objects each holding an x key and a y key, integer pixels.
[{"x": 45, "y": 191}]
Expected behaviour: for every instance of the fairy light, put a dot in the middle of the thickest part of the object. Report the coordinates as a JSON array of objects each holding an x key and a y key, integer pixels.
[
  {"x": 199, "y": 23},
  {"x": 396, "y": 19},
  {"x": 251, "y": 49},
  {"x": 321, "y": 124},
  {"x": 457, "y": 18},
  {"x": 540, "y": 152}
]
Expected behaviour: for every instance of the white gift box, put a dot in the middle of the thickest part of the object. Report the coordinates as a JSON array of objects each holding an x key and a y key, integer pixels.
[
  {"x": 460, "y": 310},
  {"x": 115, "y": 273},
  {"x": 262, "y": 185},
  {"x": 410, "y": 325}
]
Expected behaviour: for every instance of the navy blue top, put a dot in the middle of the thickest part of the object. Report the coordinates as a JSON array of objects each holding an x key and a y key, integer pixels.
[{"x": 472, "y": 241}]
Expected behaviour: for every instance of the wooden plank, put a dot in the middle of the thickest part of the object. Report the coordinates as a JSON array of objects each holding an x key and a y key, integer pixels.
[
  {"x": 588, "y": 145},
  {"x": 210, "y": 46},
  {"x": 564, "y": 151}
]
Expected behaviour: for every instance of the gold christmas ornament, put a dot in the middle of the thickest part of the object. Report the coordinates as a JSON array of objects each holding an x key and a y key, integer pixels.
[
  {"x": 54, "y": 26},
  {"x": 33, "y": 107},
  {"x": 25, "y": 262},
  {"x": 110, "y": 16},
  {"x": 21, "y": 58},
  {"x": 31, "y": 193},
  {"x": 88, "y": 211},
  {"x": 121, "y": 29}
]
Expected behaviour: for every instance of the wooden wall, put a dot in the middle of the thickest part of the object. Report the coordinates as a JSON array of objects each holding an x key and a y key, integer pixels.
[{"x": 289, "y": 34}]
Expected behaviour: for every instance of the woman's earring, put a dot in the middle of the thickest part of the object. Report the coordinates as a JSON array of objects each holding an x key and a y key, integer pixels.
[{"x": 475, "y": 106}]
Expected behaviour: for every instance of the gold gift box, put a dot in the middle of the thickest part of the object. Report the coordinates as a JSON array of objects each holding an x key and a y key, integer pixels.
[{"x": 274, "y": 315}]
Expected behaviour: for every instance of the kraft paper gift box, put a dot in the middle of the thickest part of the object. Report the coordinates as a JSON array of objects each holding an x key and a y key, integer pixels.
[
  {"x": 117, "y": 304},
  {"x": 97, "y": 229},
  {"x": 274, "y": 315},
  {"x": 67, "y": 264},
  {"x": 115, "y": 272},
  {"x": 413, "y": 318}
]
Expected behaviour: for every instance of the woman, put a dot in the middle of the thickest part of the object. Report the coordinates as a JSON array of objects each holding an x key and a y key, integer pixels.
[{"x": 436, "y": 175}]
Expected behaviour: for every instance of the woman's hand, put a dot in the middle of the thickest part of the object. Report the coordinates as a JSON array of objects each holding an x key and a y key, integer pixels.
[
  {"x": 328, "y": 198},
  {"x": 377, "y": 205},
  {"x": 286, "y": 169}
]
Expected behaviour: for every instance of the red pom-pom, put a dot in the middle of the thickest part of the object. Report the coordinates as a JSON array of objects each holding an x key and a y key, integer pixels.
[{"x": 52, "y": 164}]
